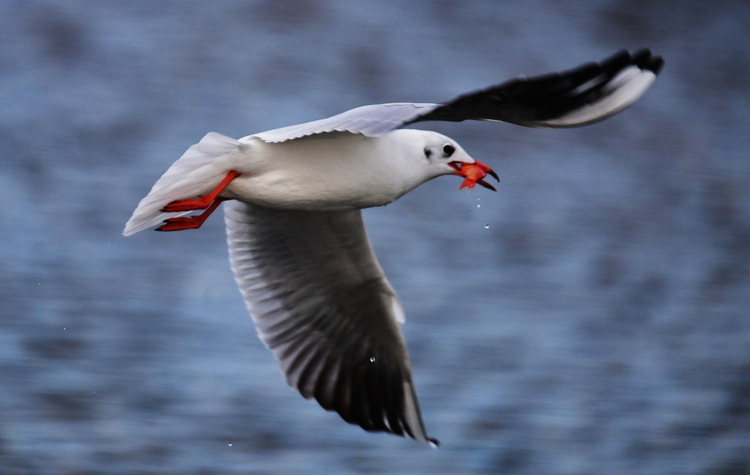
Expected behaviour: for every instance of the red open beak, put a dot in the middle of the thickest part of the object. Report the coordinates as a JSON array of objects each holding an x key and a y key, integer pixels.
[{"x": 474, "y": 173}]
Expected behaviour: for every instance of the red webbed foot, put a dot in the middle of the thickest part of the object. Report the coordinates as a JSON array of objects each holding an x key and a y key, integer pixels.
[
  {"x": 203, "y": 201},
  {"x": 189, "y": 222},
  {"x": 208, "y": 202}
]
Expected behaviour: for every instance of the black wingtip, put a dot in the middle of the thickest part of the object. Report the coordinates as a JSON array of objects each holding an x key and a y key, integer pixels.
[
  {"x": 644, "y": 59},
  {"x": 657, "y": 65},
  {"x": 434, "y": 443},
  {"x": 544, "y": 100}
]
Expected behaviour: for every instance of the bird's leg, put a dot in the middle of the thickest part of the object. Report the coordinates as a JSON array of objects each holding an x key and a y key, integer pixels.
[
  {"x": 203, "y": 201},
  {"x": 208, "y": 202},
  {"x": 189, "y": 222}
]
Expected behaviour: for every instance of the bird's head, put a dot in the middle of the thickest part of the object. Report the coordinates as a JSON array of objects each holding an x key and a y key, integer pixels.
[{"x": 446, "y": 157}]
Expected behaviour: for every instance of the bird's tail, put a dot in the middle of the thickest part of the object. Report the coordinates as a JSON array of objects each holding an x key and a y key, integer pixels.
[{"x": 198, "y": 171}]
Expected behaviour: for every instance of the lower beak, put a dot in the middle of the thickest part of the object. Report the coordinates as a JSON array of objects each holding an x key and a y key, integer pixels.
[{"x": 474, "y": 173}]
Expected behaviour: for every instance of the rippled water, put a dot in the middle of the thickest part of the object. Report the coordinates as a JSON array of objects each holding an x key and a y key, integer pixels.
[{"x": 590, "y": 317}]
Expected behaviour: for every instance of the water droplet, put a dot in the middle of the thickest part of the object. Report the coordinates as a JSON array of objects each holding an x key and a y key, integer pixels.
[
  {"x": 486, "y": 225},
  {"x": 229, "y": 444},
  {"x": 372, "y": 359},
  {"x": 479, "y": 205}
]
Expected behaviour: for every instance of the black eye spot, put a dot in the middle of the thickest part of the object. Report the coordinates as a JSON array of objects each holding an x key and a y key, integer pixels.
[
  {"x": 448, "y": 150},
  {"x": 427, "y": 152}
]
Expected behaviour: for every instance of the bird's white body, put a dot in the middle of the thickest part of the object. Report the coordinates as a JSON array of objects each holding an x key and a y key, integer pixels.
[{"x": 335, "y": 171}]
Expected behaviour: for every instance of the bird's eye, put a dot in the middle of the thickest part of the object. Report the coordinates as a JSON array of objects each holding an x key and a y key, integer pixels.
[
  {"x": 448, "y": 150},
  {"x": 427, "y": 152}
]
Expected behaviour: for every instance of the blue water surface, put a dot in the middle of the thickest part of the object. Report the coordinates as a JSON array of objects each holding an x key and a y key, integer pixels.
[{"x": 590, "y": 317}]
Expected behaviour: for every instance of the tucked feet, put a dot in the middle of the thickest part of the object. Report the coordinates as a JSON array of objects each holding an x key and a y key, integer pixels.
[
  {"x": 203, "y": 201},
  {"x": 208, "y": 202},
  {"x": 189, "y": 222},
  {"x": 176, "y": 206},
  {"x": 179, "y": 224}
]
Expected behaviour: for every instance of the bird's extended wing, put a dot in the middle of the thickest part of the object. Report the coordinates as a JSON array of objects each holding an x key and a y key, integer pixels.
[
  {"x": 321, "y": 303},
  {"x": 579, "y": 96}
]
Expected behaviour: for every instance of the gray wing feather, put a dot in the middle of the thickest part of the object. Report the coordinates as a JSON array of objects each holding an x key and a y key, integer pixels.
[
  {"x": 322, "y": 305},
  {"x": 372, "y": 121}
]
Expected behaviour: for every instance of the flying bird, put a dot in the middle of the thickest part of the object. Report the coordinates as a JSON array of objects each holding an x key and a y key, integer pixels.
[{"x": 297, "y": 244}]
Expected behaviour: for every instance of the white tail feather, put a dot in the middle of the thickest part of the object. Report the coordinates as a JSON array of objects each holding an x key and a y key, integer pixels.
[{"x": 197, "y": 172}]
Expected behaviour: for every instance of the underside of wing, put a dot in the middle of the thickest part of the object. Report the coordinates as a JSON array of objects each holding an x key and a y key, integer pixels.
[{"x": 321, "y": 303}]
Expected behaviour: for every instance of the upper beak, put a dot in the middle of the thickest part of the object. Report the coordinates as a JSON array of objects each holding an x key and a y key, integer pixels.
[{"x": 474, "y": 173}]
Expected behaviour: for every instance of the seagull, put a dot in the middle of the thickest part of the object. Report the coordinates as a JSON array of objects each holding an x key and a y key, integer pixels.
[{"x": 297, "y": 243}]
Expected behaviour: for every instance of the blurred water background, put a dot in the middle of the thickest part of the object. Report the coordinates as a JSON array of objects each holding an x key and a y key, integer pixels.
[{"x": 591, "y": 317}]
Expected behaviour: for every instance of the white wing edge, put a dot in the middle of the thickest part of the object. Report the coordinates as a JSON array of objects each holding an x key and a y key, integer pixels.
[
  {"x": 371, "y": 120},
  {"x": 623, "y": 90}
]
